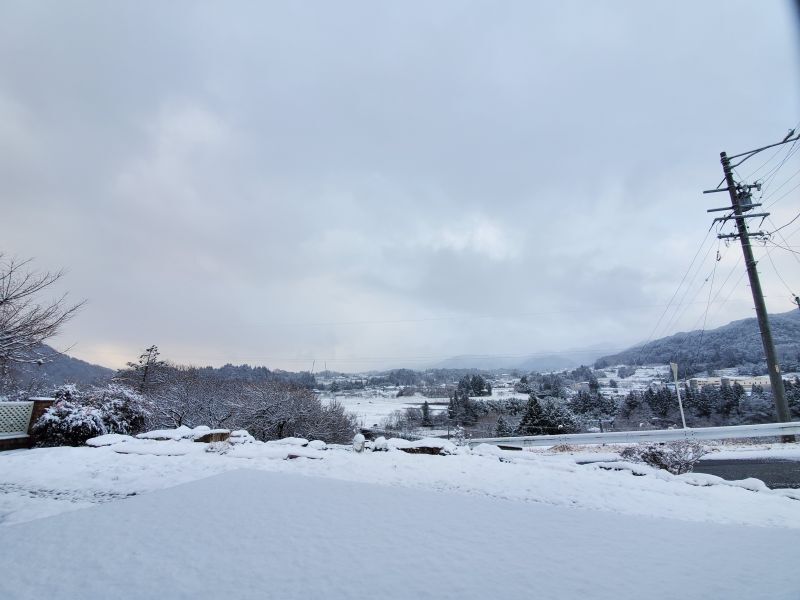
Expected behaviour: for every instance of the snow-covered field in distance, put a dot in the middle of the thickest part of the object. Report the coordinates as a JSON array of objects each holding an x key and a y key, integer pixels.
[{"x": 372, "y": 407}]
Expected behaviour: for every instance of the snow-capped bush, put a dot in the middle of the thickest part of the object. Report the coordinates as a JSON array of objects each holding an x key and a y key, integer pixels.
[
  {"x": 67, "y": 391},
  {"x": 80, "y": 415},
  {"x": 676, "y": 457},
  {"x": 68, "y": 423},
  {"x": 122, "y": 409}
]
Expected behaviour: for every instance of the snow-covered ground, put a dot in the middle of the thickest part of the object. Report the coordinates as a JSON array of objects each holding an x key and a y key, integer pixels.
[
  {"x": 372, "y": 407},
  {"x": 286, "y": 521},
  {"x": 46, "y": 481},
  {"x": 254, "y": 534}
]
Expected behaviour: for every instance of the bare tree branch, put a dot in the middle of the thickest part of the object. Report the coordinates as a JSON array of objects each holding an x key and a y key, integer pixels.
[{"x": 25, "y": 321}]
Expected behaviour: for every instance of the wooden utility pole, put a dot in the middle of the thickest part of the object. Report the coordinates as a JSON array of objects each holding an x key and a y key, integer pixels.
[
  {"x": 738, "y": 194},
  {"x": 739, "y": 212}
]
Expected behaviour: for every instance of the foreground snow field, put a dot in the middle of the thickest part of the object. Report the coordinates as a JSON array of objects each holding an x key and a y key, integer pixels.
[
  {"x": 255, "y": 534},
  {"x": 48, "y": 481}
]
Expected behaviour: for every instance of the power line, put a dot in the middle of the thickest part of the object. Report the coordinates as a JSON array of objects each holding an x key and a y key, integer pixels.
[
  {"x": 775, "y": 268},
  {"x": 678, "y": 315},
  {"x": 705, "y": 314},
  {"x": 797, "y": 216},
  {"x": 774, "y": 202},
  {"x": 766, "y": 162},
  {"x": 675, "y": 293},
  {"x": 770, "y": 177},
  {"x": 687, "y": 288},
  {"x": 780, "y": 235},
  {"x": 782, "y": 247}
]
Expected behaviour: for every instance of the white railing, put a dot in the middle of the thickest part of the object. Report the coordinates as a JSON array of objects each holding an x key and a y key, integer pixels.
[
  {"x": 660, "y": 435},
  {"x": 15, "y": 417}
]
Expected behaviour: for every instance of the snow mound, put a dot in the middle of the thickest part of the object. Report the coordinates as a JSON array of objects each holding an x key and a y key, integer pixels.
[
  {"x": 289, "y": 441},
  {"x": 445, "y": 446},
  {"x": 273, "y": 452},
  {"x": 108, "y": 439},
  {"x": 196, "y": 435},
  {"x": 397, "y": 443},
  {"x": 696, "y": 479},
  {"x": 317, "y": 445},
  {"x": 169, "y": 434},
  {"x": 241, "y": 436},
  {"x": 159, "y": 448}
]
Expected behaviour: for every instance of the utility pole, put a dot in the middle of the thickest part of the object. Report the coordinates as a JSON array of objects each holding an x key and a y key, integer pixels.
[{"x": 741, "y": 204}]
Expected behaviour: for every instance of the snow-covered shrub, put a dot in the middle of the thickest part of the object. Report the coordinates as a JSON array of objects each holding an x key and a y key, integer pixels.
[
  {"x": 675, "y": 457},
  {"x": 459, "y": 436},
  {"x": 68, "y": 392},
  {"x": 122, "y": 409},
  {"x": 68, "y": 423}
]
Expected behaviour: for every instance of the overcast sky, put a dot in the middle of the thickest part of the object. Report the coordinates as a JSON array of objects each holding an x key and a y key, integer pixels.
[{"x": 373, "y": 184}]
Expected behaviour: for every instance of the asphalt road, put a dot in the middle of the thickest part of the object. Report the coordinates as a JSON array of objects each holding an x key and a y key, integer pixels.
[{"x": 775, "y": 473}]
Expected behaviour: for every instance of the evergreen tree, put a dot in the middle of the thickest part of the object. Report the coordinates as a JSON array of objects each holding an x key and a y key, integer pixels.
[
  {"x": 726, "y": 400},
  {"x": 531, "y": 423},
  {"x": 426, "y": 414},
  {"x": 557, "y": 418},
  {"x": 461, "y": 409},
  {"x": 148, "y": 368},
  {"x": 502, "y": 428},
  {"x": 705, "y": 401},
  {"x": 478, "y": 385}
]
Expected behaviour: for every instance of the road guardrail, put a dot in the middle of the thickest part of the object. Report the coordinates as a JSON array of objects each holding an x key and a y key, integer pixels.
[{"x": 731, "y": 432}]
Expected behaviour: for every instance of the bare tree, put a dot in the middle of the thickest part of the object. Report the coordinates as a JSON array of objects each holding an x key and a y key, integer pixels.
[{"x": 26, "y": 321}]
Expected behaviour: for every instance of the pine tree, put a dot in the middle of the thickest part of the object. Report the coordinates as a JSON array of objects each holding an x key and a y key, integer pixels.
[
  {"x": 426, "y": 414},
  {"x": 726, "y": 400},
  {"x": 147, "y": 367},
  {"x": 502, "y": 428},
  {"x": 531, "y": 423}
]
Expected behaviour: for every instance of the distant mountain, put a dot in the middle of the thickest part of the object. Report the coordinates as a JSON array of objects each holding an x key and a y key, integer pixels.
[
  {"x": 533, "y": 362},
  {"x": 58, "y": 369},
  {"x": 733, "y": 345}
]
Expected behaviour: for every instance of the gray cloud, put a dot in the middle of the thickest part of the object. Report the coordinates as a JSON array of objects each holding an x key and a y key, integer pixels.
[{"x": 377, "y": 184}]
